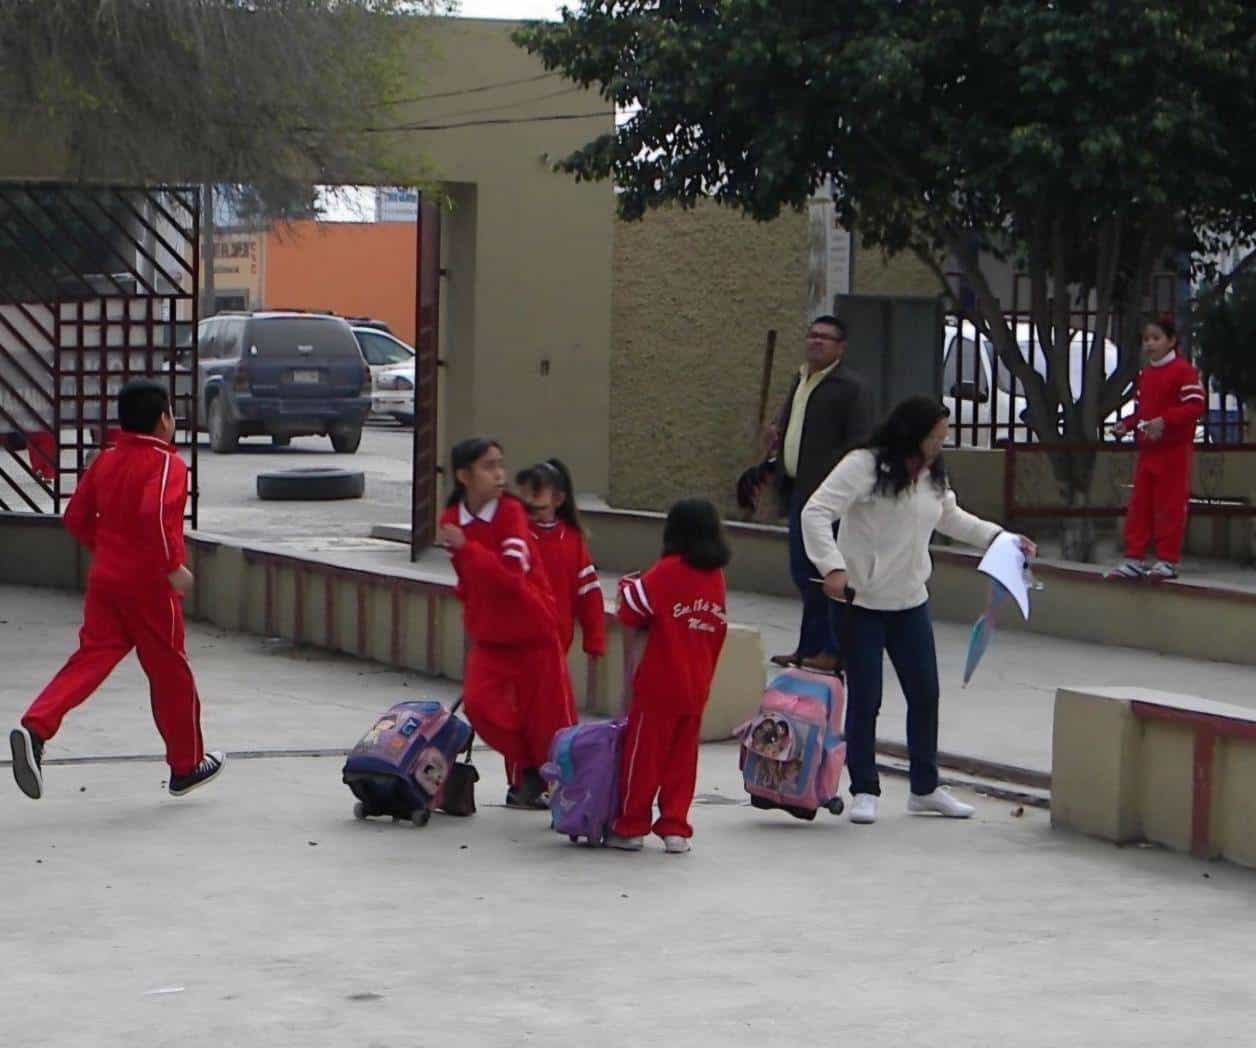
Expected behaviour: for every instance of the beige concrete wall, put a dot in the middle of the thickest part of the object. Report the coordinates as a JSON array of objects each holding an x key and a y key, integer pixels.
[
  {"x": 1076, "y": 603},
  {"x": 694, "y": 297},
  {"x": 1122, "y": 777},
  {"x": 529, "y": 254}
]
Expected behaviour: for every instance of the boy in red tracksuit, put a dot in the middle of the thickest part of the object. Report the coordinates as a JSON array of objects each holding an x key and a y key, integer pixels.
[
  {"x": 556, "y": 528},
  {"x": 516, "y": 687},
  {"x": 128, "y": 510},
  {"x": 1170, "y": 402},
  {"x": 680, "y": 604}
]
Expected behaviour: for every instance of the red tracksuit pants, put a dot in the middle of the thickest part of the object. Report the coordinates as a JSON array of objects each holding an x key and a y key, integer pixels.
[
  {"x": 115, "y": 621},
  {"x": 516, "y": 698},
  {"x": 1158, "y": 508},
  {"x": 660, "y": 759}
]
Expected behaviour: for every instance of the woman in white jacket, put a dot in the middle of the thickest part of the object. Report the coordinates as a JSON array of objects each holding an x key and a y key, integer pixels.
[{"x": 890, "y": 496}]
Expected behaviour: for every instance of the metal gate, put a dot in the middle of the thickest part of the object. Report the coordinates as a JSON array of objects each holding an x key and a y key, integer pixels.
[
  {"x": 98, "y": 286},
  {"x": 424, "y": 494}
]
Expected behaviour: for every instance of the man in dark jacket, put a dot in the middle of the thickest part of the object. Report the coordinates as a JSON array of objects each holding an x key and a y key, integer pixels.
[{"x": 828, "y": 412}]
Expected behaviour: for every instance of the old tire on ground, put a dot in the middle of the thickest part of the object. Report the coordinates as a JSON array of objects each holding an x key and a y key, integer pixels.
[{"x": 311, "y": 485}]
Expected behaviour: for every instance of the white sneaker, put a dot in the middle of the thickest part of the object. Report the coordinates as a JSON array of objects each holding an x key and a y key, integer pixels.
[
  {"x": 939, "y": 802},
  {"x": 676, "y": 845},
  {"x": 1162, "y": 571},
  {"x": 863, "y": 809},
  {"x": 625, "y": 843}
]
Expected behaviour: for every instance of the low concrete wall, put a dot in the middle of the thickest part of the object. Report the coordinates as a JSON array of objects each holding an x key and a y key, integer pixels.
[
  {"x": 404, "y": 619},
  {"x": 630, "y": 540},
  {"x": 1179, "y": 618},
  {"x": 1135, "y": 765}
]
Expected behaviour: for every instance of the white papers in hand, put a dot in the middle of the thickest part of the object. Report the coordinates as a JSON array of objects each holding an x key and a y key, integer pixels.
[{"x": 1005, "y": 563}]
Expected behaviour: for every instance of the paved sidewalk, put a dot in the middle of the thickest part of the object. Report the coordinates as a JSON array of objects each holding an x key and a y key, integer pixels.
[{"x": 257, "y": 912}]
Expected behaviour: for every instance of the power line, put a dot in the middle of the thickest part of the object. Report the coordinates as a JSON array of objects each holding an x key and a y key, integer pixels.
[
  {"x": 501, "y": 105},
  {"x": 489, "y": 122},
  {"x": 464, "y": 91}
]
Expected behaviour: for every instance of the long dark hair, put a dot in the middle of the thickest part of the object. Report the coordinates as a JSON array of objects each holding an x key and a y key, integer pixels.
[
  {"x": 464, "y": 455},
  {"x": 694, "y": 531},
  {"x": 553, "y": 474},
  {"x": 896, "y": 444}
]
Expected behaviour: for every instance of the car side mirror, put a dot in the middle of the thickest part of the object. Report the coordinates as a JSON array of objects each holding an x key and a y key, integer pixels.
[{"x": 969, "y": 391}]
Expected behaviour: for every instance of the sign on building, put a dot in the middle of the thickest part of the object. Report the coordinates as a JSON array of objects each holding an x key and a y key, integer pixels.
[
  {"x": 396, "y": 205},
  {"x": 829, "y": 257}
]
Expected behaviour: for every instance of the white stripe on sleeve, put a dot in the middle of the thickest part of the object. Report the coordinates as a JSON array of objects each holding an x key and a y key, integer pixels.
[
  {"x": 637, "y": 585},
  {"x": 588, "y": 587},
  {"x": 589, "y": 572},
  {"x": 630, "y": 600}
]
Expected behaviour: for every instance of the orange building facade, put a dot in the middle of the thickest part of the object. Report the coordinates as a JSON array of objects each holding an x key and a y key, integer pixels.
[{"x": 351, "y": 268}]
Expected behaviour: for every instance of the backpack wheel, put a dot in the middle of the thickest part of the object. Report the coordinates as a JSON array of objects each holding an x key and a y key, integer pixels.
[
  {"x": 573, "y": 838},
  {"x": 359, "y": 810},
  {"x": 420, "y": 817},
  {"x": 836, "y": 806}
]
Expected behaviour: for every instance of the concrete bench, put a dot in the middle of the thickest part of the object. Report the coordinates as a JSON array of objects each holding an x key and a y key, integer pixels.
[
  {"x": 1129, "y": 764},
  {"x": 408, "y": 620}
]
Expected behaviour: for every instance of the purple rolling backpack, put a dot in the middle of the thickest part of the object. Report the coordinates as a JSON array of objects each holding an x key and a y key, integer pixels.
[{"x": 583, "y": 773}]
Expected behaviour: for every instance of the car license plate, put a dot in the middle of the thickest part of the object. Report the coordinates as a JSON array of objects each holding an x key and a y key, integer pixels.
[{"x": 307, "y": 377}]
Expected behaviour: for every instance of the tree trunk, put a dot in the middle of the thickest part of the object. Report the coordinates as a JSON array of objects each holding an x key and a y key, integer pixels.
[
  {"x": 1074, "y": 474},
  {"x": 208, "y": 291}
]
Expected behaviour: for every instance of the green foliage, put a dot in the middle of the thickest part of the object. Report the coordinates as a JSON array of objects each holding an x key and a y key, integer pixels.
[
  {"x": 1093, "y": 138},
  {"x": 1225, "y": 337},
  {"x": 275, "y": 94}
]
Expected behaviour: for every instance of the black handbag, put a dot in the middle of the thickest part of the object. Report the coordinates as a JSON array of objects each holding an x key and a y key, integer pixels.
[{"x": 458, "y": 796}]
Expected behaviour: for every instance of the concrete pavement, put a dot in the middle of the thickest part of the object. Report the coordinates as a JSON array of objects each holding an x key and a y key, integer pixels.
[{"x": 257, "y": 912}]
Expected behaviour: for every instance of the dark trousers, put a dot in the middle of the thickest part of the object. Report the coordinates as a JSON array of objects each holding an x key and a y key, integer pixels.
[
  {"x": 814, "y": 635},
  {"x": 907, "y": 636}
]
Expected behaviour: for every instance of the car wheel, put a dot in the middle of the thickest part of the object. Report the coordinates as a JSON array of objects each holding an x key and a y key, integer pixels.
[
  {"x": 346, "y": 440},
  {"x": 223, "y": 434},
  {"x": 280, "y": 440},
  {"x": 311, "y": 485}
]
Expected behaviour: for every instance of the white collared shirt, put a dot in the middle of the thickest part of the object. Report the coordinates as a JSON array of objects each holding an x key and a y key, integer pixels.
[{"x": 486, "y": 514}]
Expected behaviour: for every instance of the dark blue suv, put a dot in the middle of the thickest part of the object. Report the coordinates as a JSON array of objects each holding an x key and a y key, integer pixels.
[{"x": 281, "y": 375}]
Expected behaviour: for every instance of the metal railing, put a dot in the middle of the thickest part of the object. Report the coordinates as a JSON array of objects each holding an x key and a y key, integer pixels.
[
  {"x": 988, "y": 406},
  {"x": 98, "y": 286}
]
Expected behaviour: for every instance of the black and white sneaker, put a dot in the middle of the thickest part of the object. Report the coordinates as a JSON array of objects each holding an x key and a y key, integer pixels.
[
  {"x": 28, "y": 759},
  {"x": 206, "y": 771},
  {"x": 1130, "y": 571}
]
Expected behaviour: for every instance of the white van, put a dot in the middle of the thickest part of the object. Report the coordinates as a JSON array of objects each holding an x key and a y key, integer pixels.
[{"x": 975, "y": 394}]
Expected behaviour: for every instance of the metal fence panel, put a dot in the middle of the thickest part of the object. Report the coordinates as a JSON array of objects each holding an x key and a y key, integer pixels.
[{"x": 98, "y": 286}]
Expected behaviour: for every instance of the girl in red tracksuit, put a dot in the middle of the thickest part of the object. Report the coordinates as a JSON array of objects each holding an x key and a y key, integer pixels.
[
  {"x": 1169, "y": 403},
  {"x": 547, "y": 489},
  {"x": 516, "y": 687},
  {"x": 680, "y": 605}
]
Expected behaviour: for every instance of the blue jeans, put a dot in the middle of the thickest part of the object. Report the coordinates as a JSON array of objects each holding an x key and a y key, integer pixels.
[
  {"x": 907, "y": 636},
  {"x": 815, "y": 636}
]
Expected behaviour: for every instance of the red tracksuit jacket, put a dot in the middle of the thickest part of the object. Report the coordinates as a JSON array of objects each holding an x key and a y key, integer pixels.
[
  {"x": 502, "y": 584},
  {"x": 573, "y": 579},
  {"x": 128, "y": 510},
  {"x": 1171, "y": 391},
  {"x": 683, "y": 610}
]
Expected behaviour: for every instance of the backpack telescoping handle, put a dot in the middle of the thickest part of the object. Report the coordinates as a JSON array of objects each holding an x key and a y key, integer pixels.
[{"x": 471, "y": 740}]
